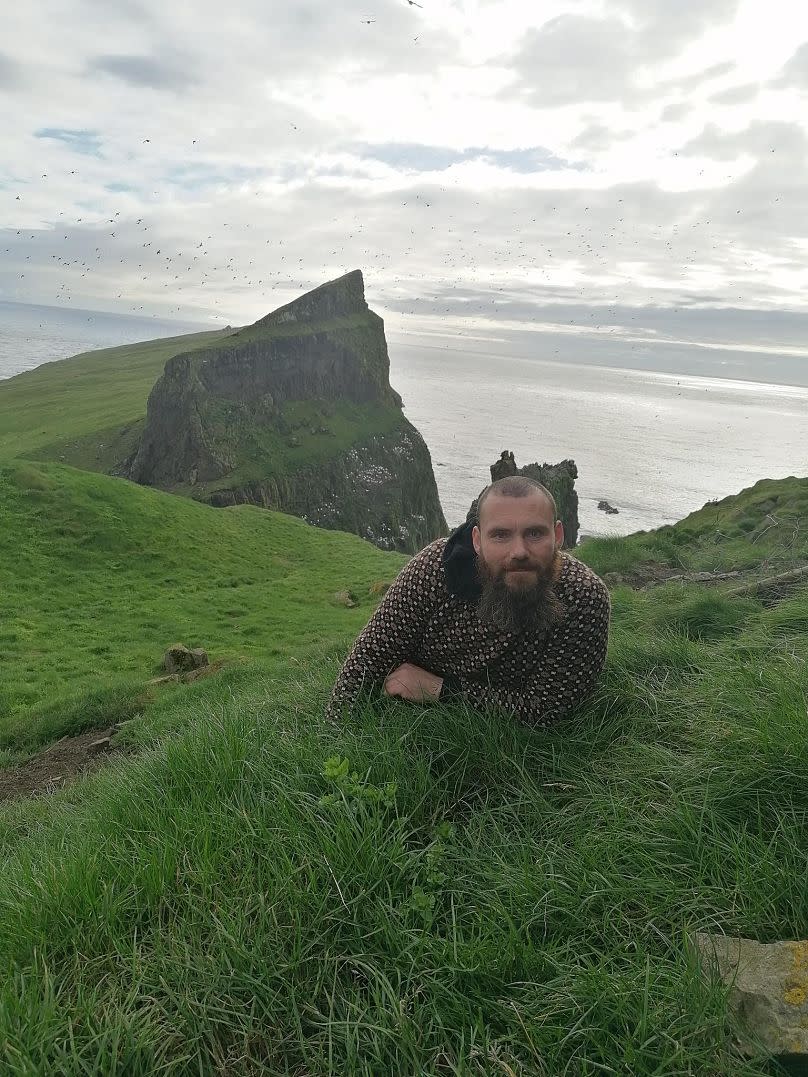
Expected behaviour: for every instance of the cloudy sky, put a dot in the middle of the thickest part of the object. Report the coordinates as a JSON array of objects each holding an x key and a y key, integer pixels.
[{"x": 557, "y": 178}]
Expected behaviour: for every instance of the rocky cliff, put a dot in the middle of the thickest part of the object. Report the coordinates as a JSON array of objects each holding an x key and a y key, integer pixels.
[{"x": 296, "y": 413}]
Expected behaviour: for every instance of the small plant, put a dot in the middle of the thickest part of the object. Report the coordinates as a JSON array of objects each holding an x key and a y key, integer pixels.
[
  {"x": 429, "y": 888},
  {"x": 350, "y": 787}
]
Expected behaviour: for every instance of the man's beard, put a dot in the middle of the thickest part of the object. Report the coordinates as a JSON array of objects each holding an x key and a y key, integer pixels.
[{"x": 534, "y": 608}]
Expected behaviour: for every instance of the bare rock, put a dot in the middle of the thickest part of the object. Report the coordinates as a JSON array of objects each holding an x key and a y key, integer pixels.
[
  {"x": 326, "y": 349},
  {"x": 180, "y": 659},
  {"x": 769, "y": 988},
  {"x": 506, "y": 465},
  {"x": 195, "y": 674},
  {"x": 345, "y": 598}
]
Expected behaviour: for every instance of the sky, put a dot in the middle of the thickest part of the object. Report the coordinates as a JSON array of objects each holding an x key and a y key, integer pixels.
[{"x": 574, "y": 179}]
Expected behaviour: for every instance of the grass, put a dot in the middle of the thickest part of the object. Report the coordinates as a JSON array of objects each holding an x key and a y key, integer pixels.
[
  {"x": 83, "y": 400},
  {"x": 763, "y": 526},
  {"x": 103, "y": 575},
  {"x": 425, "y": 890}
]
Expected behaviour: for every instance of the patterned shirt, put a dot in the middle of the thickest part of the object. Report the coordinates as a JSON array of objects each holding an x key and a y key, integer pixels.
[{"x": 428, "y": 617}]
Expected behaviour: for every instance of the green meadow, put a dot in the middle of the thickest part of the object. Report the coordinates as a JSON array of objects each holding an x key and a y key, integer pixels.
[
  {"x": 246, "y": 889},
  {"x": 103, "y": 575},
  {"x": 73, "y": 405}
]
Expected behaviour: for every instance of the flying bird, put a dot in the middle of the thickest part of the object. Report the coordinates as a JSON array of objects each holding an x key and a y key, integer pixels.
[{"x": 412, "y": 3}]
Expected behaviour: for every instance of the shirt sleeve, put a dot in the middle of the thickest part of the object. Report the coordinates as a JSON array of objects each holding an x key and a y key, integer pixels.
[
  {"x": 391, "y": 635},
  {"x": 571, "y": 664}
]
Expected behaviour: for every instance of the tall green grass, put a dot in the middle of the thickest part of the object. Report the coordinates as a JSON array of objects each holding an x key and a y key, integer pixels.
[{"x": 425, "y": 890}]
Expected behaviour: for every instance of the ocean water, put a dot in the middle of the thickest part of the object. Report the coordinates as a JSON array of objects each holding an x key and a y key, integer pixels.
[
  {"x": 655, "y": 445},
  {"x": 31, "y": 334}
]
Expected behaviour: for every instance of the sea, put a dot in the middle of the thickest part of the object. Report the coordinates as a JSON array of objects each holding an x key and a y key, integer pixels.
[{"x": 655, "y": 445}]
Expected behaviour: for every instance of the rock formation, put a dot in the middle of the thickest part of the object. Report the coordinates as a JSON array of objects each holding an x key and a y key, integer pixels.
[
  {"x": 296, "y": 413},
  {"x": 559, "y": 480},
  {"x": 506, "y": 465},
  {"x": 768, "y": 989}
]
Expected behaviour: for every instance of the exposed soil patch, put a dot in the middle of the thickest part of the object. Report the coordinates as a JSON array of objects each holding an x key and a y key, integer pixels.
[
  {"x": 59, "y": 764},
  {"x": 68, "y": 758}
]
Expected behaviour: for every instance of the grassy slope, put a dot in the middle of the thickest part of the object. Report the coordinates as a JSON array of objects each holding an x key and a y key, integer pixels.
[
  {"x": 478, "y": 899},
  {"x": 763, "y": 526},
  {"x": 463, "y": 897},
  {"x": 84, "y": 397},
  {"x": 103, "y": 575}
]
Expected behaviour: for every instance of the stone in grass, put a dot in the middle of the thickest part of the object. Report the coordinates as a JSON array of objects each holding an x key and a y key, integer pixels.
[
  {"x": 345, "y": 598},
  {"x": 769, "y": 988},
  {"x": 180, "y": 659}
]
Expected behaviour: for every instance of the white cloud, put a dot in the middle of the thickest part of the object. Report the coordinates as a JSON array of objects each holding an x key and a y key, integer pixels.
[{"x": 625, "y": 151}]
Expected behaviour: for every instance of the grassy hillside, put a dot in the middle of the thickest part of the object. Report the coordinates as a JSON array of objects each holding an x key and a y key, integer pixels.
[
  {"x": 762, "y": 527},
  {"x": 102, "y": 575},
  {"x": 88, "y": 411},
  {"x": 88, "y": 396},
  {"x": 426, "y": 890}
]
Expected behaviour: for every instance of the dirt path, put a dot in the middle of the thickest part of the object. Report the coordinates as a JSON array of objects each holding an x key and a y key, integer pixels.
[
  {"x": 58, "y": 764},
  {"x": 70, "y": 757}
]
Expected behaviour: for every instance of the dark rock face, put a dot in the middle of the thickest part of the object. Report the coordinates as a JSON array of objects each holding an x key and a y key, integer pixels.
[
  {"x": 560, "y": 481},
  {"x": 381, "y": 490},
  {"x": 604, "y": 506},
  {"x": 181, "y": 659},
  {"x": 209, "y": 407}
]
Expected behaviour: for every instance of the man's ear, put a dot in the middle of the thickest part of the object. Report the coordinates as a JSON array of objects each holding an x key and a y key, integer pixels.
[
  {"x": 475, "y": 538},
  {"x": 559, "y": 533}
]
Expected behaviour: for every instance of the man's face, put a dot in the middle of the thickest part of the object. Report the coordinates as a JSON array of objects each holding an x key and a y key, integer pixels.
[{"x": 518, "y": 547}]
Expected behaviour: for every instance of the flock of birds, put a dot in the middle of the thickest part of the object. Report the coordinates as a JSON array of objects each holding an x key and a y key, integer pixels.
[{"x": 131, "y": 252}]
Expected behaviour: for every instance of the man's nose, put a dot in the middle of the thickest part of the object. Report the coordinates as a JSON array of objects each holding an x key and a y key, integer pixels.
[{"x": 519, "y": 550}]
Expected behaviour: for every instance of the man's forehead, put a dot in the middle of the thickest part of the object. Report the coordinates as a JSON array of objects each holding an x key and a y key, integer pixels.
[{"x": 501, "y": 511}]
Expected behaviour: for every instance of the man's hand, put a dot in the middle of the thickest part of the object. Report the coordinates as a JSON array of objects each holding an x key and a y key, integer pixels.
[{"x": 413, "y": 683}]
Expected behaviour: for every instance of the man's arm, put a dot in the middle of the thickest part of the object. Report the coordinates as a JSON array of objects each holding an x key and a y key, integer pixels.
[
  {"x": 392, "y": 633},
  {"x": 571, "y": 665}
]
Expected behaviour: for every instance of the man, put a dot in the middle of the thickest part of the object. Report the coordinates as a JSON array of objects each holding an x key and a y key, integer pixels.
[{"x": 495, "y": 615}]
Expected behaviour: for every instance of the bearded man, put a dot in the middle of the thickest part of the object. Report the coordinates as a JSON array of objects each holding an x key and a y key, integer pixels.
[{"x": 496, "y": 615}]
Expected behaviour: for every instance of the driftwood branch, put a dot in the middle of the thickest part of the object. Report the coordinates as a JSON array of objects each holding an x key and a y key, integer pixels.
[{"x": 771, "y": 583}]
